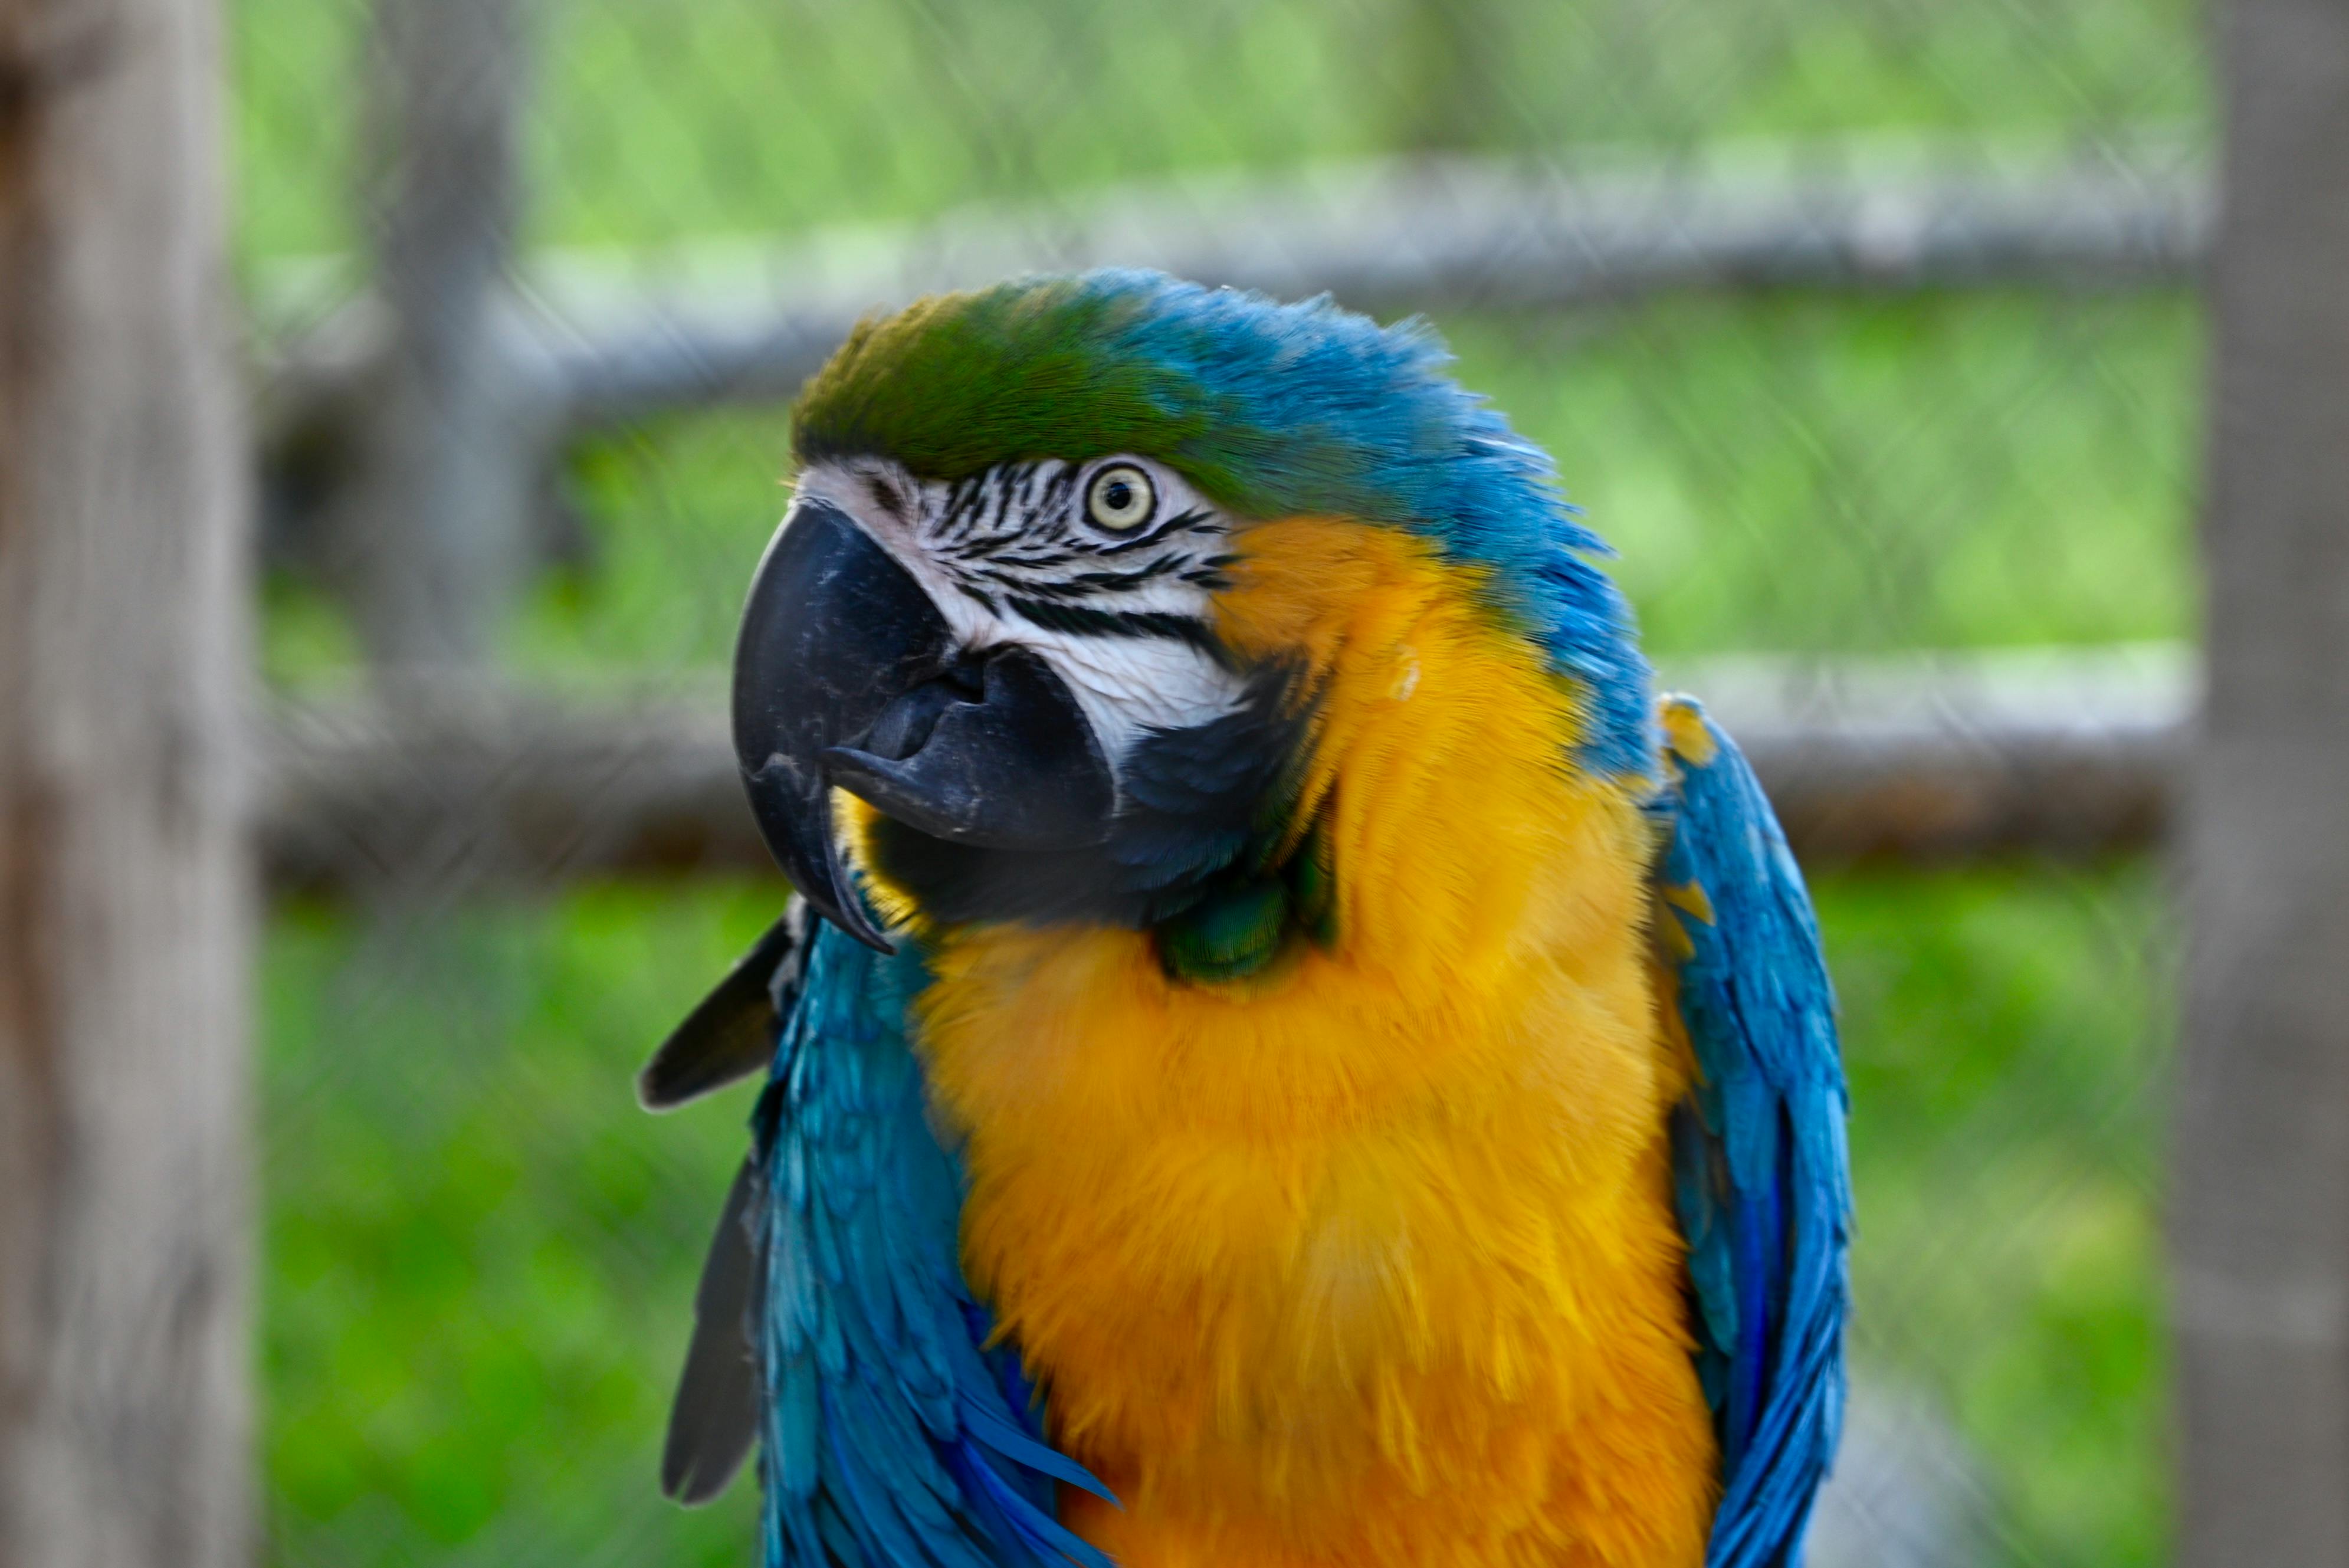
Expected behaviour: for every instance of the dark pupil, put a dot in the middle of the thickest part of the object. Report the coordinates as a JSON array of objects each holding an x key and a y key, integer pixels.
[{"x": 1118, "y": 494}]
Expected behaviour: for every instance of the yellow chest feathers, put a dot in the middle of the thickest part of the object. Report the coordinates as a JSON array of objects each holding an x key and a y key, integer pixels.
[{"x": 1369, "y": 1257}]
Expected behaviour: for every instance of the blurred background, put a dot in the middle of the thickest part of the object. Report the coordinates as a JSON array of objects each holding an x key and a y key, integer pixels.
[{"x": 1865, "y": 330}]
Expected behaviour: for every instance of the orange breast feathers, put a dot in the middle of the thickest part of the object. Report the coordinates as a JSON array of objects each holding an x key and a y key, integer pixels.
[{"x": 1369, "y": 1258}]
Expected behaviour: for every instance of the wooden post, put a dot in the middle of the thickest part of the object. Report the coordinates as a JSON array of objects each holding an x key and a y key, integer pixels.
[
  {"x": 2260, "y": 1212},
  {"x": 124, "y": 924},
  {"x": 433, "y": 535}
]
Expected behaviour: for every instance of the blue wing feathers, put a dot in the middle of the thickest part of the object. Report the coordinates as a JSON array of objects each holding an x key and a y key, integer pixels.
[
  {"x": 895, "y": 1438},
  {"x": 1760, "y": 1171}
]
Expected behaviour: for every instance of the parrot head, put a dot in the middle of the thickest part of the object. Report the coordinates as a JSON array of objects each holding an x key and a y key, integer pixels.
[{"x": 997, "y": 613}]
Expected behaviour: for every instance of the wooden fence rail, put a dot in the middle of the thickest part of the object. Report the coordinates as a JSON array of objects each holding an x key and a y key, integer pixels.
[{"x": 1916, "y": 759}]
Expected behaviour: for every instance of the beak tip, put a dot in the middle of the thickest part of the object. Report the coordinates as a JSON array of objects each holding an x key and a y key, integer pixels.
[
  {"x": 793, "y": 815},
  {"x": 879, "y": 944},
  {"x": 839, "y": 904},
  {"x": 856, "y": 926}
]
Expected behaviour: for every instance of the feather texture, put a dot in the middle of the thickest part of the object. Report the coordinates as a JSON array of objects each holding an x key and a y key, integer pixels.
[{"x": 1761, "y": 1169}]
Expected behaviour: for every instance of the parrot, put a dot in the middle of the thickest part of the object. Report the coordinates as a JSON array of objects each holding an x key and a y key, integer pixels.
[{"x": 1284, "y": 1051}]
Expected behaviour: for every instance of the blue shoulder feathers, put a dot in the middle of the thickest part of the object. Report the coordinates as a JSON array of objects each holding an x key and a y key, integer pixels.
[
  {"x": 894, "y": 1438},
  {"x": 1759, "y": 1159}
]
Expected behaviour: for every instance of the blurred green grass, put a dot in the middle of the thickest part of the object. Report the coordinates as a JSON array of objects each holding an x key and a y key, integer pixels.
[{"x": 479, "y": 1256}]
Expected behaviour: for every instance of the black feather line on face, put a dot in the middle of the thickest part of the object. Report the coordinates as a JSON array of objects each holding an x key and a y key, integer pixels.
[
  {"x": 1015, "y": 562},
  {"x": 887, "y": 496},
  {"x": 1196, "y": 803},
  {"x": 1090, "y": 585},
  {"x": 1181, "y": 522},
  {"x": 1084, "y": 620},
  {"x": 1114, "y": 582},
  {"x": 962, "y": 510}
]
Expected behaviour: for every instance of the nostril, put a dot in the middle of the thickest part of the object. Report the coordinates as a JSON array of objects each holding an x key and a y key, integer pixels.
[
  {"x": 968, "y": 677},
  {"x": 905, "y": 725},
  {"x": 902, "y": 727}
]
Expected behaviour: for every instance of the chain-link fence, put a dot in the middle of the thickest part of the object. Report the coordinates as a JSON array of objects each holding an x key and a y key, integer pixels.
[{"x": 1859, "y": 326}]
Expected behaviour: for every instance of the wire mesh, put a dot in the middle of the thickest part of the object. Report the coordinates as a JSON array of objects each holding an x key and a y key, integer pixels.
[{"x": 479, "y": 1257}]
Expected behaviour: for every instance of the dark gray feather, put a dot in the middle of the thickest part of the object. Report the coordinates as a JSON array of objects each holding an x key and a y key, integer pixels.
[
  {"x": 716, "y": 1417},
  {"x": 732, "y": 1034}
]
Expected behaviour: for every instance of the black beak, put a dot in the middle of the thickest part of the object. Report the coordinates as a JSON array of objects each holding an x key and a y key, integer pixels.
[{"x": 846, "y": 673}]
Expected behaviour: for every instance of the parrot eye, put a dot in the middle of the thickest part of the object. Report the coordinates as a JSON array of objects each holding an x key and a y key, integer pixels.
[{"x": 1120, "y": 498}]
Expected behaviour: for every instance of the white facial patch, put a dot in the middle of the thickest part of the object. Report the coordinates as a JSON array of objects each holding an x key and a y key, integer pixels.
[{"x": 1103, "y": 568}]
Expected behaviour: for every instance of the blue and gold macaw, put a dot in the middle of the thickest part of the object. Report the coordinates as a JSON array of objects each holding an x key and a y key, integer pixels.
[{"x": 1287, "y": 1056}]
